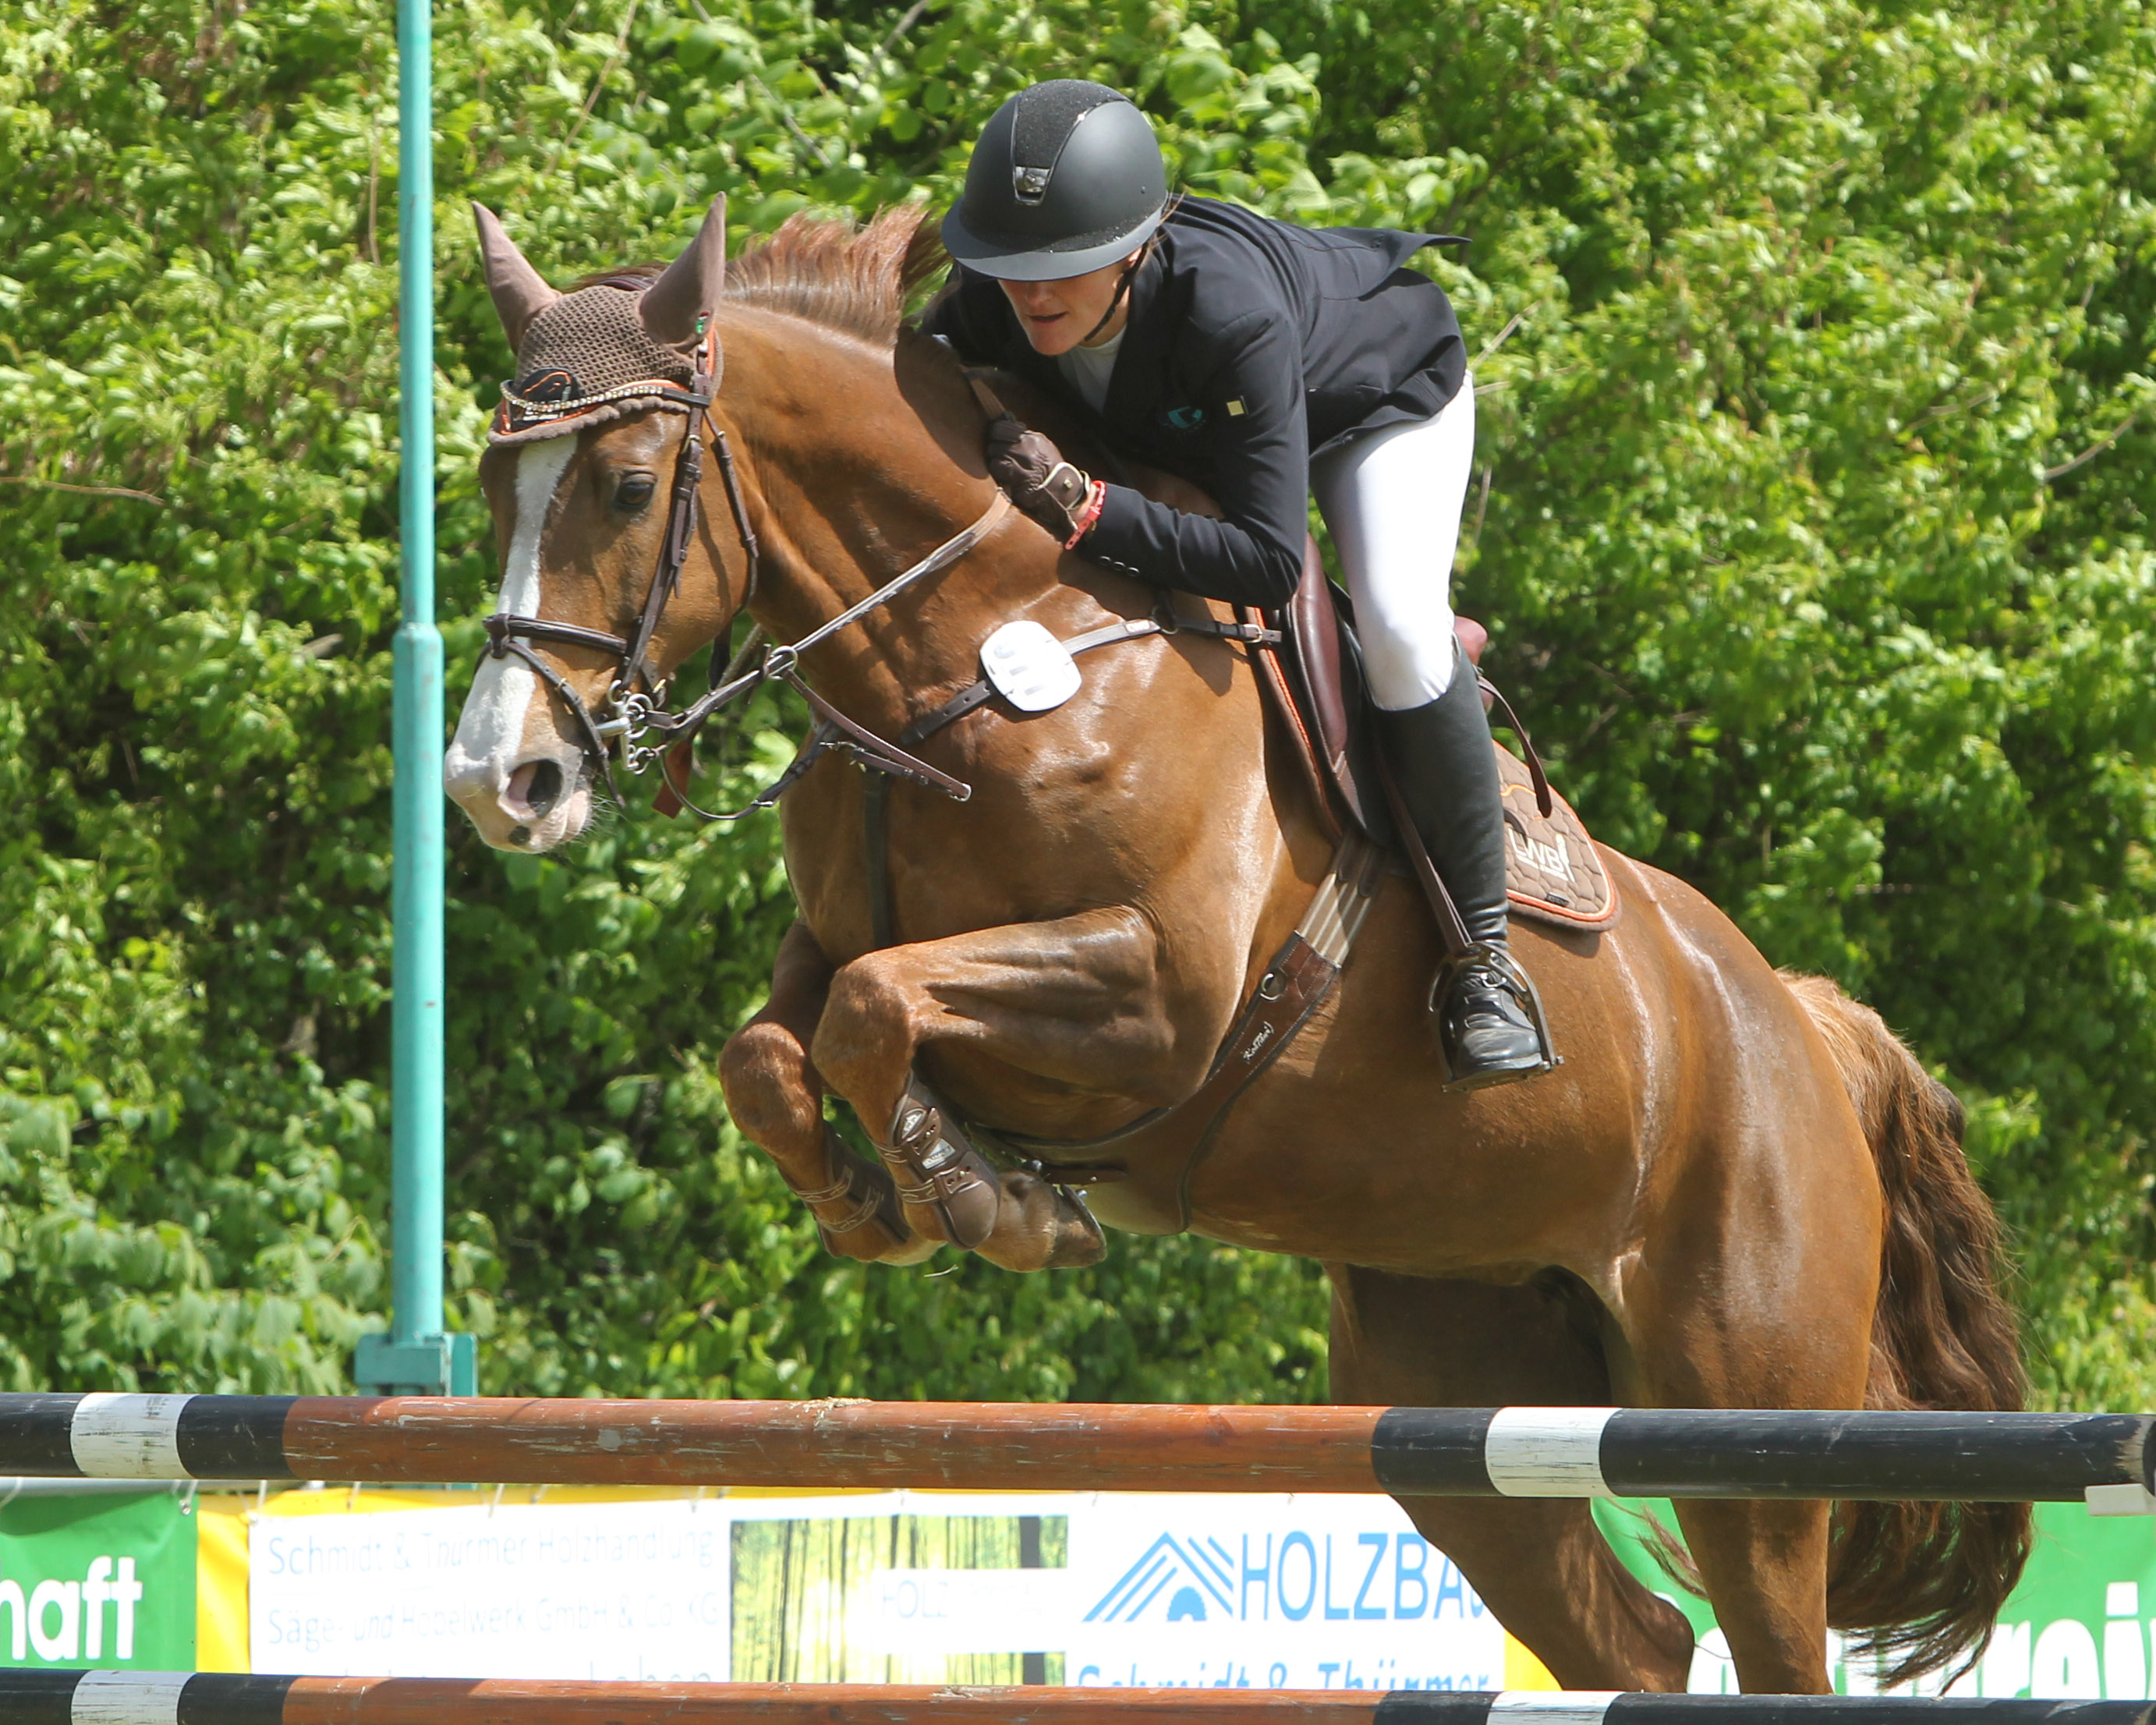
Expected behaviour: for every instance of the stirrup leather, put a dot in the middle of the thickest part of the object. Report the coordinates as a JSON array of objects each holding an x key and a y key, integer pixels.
[{"x": 1483, "y": 955}]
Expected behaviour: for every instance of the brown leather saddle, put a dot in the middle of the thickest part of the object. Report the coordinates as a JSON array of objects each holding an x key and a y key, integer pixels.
[{"x": 1315, "y": 684}]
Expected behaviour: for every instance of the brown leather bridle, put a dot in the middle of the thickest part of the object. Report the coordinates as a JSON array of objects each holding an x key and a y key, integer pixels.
[{"x": 634, "y": 707}]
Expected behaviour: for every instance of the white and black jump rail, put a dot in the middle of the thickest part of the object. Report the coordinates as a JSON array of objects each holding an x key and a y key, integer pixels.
[
  {"x": 2104, "y": 1459},
  {"x": 50, "y": 1697}
]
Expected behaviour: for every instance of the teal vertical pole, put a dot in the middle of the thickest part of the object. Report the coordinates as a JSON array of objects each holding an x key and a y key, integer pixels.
[
  {"x": 416, "y": 1026},
  {"x": 416, "y": 1356}
]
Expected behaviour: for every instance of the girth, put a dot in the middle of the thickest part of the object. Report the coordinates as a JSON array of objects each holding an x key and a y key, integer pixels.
[{"x": 1291, "y": 988}]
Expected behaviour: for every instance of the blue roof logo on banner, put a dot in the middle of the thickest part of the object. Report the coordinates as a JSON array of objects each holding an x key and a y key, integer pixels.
[{"x": 1197, "y": 1578}]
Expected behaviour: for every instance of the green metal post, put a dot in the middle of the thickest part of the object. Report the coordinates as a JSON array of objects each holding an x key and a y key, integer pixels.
[{"x": 416, "y": 1358}]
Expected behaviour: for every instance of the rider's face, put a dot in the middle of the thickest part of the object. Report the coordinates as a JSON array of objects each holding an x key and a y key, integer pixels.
[{"x": 1056, "y": 315}]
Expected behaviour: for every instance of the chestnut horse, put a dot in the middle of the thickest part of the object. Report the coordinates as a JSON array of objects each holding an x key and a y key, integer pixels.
[{"x": 1739, "y": 1191}]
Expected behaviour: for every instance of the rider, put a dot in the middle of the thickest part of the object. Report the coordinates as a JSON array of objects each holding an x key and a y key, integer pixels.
[{"x": 1263, "y": 362}]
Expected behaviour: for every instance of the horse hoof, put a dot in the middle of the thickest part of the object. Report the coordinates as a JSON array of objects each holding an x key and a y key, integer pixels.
[{"x": 1079, "y": 1241}]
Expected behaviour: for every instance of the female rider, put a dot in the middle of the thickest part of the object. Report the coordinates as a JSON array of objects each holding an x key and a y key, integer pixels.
[{"x": 1264, "y": 363}]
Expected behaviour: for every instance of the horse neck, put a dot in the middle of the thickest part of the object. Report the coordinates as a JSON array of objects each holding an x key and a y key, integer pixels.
[{"x": 854, "y": 487}]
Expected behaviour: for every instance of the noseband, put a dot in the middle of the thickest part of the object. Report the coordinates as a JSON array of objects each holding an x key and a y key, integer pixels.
[{"x": 634, "y": 705}]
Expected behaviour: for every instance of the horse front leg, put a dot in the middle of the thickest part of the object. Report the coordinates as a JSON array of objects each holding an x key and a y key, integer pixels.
[
  {"x": 776, "y": 1097},
  {"x": 1077, "y": 1001}
]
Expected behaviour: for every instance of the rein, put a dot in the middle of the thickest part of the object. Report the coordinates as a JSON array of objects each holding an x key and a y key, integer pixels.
[
  {"x": 1302, "y": 972},
  {"x": 634, "y": 705}
]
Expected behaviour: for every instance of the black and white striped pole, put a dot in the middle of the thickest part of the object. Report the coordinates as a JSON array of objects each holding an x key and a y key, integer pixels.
[
  {"x": 2104, "y": 1460},
  {"x": 52, "y": 1697}
]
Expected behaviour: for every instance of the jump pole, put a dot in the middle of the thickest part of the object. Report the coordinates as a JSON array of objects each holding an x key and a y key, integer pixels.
[
  {"x": 217, "y": 1698},
  {"x": 2103, "y": 1459},
  {"x": 415, "y": 1356}
]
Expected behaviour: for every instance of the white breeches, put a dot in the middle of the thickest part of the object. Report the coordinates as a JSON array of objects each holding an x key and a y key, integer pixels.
[{"x": 1392, "y": 501}]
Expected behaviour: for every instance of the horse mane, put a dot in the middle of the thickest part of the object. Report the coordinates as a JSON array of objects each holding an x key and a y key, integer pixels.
[{"x": 854, "y": 279}]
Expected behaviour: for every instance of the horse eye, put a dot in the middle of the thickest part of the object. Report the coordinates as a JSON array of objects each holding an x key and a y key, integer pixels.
[{"x": 634, "y": 491}]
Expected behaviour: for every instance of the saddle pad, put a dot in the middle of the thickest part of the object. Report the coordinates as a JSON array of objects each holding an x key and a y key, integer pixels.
[{"x": 1552, "y": 873}]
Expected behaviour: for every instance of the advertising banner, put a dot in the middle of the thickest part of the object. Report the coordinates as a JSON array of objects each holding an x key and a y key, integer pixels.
[
  {"x": 107, "y": 1580},
  {"x": 1271, "y": 1593},
  {"x": 2082, "y": 1625},
  {"x": 1259, "y": 1591},
  {"x": 615, "y": 1590},
  {"x": 902, "y": 1587}
]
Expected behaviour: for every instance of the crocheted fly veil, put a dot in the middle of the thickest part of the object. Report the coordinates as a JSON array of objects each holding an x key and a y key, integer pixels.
[{"x": 586, "y": 359}]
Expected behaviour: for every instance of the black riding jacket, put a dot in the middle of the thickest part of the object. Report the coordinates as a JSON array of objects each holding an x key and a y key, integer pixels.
[{"x": 1251, "y": 345}]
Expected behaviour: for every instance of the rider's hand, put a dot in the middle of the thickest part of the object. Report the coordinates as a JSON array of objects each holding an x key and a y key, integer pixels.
[{"x": 1045, "y": 487}]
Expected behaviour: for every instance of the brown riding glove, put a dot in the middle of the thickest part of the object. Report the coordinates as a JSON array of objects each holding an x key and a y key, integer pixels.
[{"x": 1045, "y": 487}]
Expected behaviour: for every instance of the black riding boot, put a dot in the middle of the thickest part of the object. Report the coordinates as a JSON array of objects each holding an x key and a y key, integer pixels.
[{"x": 1447, "y": 774}]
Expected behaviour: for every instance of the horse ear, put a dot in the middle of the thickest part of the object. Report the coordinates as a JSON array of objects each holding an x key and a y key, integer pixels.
[
  {"x": 519, "y": 293},
  {"x": 690, "y": 289}
]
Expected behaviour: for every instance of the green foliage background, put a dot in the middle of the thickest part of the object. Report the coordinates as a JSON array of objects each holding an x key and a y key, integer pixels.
[{"x": 1813, "y": 526}]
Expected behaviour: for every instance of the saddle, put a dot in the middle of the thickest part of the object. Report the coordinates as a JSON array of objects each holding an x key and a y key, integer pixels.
[
  {"x": 1311, "y": 668},
  {"x": 1315, "y": 686}
]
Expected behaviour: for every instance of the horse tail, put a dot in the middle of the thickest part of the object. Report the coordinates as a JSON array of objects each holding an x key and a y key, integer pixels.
[{"x": 1922, "y": 1584}]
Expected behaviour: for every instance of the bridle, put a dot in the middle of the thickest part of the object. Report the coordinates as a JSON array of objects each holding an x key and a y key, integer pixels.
[{"x": 634, "y": 707}]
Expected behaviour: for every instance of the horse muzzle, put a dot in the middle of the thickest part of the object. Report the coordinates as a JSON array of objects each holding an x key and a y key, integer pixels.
[{"x": 533, "y": 805}]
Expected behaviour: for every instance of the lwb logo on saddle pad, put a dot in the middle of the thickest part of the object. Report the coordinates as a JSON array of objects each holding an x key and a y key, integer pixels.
[
  {"x": 1547, "y": 859},
  {"x": 1551, "y": 871}
]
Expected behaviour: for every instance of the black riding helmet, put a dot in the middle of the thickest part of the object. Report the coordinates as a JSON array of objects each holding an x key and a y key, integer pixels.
[{"x": 1067, "y": 177}]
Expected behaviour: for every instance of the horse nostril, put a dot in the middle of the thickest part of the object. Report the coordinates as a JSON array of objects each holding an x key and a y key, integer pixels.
[{"x": 545, "y": 789}]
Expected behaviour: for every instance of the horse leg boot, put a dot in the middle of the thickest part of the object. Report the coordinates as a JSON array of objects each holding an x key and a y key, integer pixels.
[
  {"x": 1078, "y": 1002},
  {"x": 952, "y": 1192},
  {"x": 776, "y": 1097},
  {"x": 938, "y": 1170},
  {"x": 1446, "y": 772}
]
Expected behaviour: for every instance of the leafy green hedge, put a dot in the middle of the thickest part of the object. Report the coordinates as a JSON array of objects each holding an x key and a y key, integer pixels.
[{"x": 1815, "y": 353}]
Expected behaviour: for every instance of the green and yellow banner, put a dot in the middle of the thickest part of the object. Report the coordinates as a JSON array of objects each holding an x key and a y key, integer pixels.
[{"x": 892, "y": 1587}]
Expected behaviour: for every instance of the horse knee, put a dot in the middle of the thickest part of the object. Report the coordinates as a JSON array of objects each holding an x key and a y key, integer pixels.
[
  {"x": 771, "y": 1092},
  {"x": 864, "y": 1044}
]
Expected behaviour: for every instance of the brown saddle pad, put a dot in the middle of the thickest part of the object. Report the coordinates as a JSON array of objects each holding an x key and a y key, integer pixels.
[{"x": 1552, "y": 873}]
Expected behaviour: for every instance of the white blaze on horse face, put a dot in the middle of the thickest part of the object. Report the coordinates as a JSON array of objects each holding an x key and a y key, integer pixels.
[{"x": 491, "y": 740}]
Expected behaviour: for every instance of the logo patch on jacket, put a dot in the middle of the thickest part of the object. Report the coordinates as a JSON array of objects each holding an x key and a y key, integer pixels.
[{"x": 1185, "y": 418}]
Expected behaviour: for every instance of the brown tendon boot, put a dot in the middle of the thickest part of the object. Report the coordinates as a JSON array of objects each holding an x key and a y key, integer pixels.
[{"x": 940, "y": 1172}]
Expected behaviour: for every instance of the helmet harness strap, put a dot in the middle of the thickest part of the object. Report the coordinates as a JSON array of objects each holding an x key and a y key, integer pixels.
[{"x": 1122, "y": 287}]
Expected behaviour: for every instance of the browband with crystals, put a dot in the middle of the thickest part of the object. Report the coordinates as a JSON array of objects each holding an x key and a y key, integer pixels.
[{"x": 518, "y": 416}]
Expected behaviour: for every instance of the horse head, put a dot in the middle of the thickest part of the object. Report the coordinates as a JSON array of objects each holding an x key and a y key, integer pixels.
[{"x": 584, "y": 459}]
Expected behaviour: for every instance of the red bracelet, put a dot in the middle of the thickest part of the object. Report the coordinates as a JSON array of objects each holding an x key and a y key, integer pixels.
[{"x": 1096, "y": 494}]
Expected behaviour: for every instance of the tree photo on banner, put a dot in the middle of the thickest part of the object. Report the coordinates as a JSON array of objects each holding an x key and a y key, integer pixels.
[{"x": 1809, "y": 520}]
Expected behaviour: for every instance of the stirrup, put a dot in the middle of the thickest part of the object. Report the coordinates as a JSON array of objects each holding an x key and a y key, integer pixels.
[{"x": 1487, "y": 956}]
